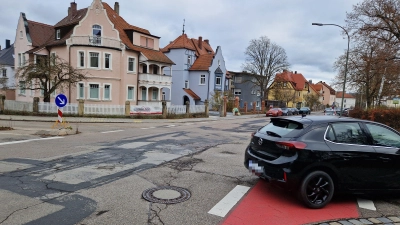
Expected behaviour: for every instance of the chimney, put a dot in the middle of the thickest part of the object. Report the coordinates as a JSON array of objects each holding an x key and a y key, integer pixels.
[
  {"x": 116, "y": 7},
  {"x": 310, "y": 81},
  {"x": 73, "y": 8},
  {"x": 200, "y": 42},
  {"x": 8, "y": 43},
  {"x": 69, "y": 11},
  {"x": 207, "y": 41}
]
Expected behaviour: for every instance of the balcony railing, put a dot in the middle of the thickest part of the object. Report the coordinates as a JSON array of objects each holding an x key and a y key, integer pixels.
[
  {"x": 96, "y": 41},
  {"x": 155, "y": 78}
]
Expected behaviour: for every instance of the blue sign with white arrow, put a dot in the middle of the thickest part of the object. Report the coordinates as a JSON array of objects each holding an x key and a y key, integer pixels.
[{"x": 61, "y": 100}]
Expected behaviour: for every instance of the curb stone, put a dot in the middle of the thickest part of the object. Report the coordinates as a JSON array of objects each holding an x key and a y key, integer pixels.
[{"x": 389, "y": 220}]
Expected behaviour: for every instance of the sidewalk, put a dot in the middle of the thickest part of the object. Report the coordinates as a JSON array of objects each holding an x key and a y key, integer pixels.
[{"x": 121, "y": 120}]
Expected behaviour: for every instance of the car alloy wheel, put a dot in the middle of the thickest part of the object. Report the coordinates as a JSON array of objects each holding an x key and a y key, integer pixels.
[{"x": 316, "y": 189}]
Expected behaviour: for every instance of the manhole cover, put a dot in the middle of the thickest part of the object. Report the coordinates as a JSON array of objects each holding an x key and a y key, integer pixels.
[{"x": 166, "y": 194}]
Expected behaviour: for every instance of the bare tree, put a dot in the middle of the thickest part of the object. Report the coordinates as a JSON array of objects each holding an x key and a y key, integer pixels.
[
  {"x": 312, "y": 100},
  {"x": 48, "y": 74},
  {"x": 264, "y": 60}
]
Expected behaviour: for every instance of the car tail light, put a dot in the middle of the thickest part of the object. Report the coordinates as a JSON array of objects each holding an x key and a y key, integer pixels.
[
  {"x": 291, "y": 145},
  {"x": 284, "y": 176}
]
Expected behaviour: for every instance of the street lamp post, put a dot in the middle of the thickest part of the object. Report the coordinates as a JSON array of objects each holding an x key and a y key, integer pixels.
[{"x": 347, "y": 59}]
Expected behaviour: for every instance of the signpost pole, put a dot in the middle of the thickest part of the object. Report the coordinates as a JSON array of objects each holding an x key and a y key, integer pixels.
[{"x": 61, "y": 101}]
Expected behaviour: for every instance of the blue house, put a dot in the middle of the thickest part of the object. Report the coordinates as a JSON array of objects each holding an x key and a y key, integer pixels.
[{"x": 199, "y": 71}]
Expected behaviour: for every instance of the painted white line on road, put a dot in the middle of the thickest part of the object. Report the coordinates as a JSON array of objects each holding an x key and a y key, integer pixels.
[
  {"x": 29, "y": 140},
  {"x": 144, "y": 128},
  {"x": 366, "y": 204},
  {"x": 170, "y": 125},
  {"x": 112, "y": 131},
  {"x": 203, "y": 122},
  {"x": 225, "y": 205},
  {"x": 187, "y": 124},
  {"x": 12, "y": 134}
]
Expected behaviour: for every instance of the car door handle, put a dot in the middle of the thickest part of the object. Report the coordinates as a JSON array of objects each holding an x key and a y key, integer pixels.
[{"x": 385, "y": 159}]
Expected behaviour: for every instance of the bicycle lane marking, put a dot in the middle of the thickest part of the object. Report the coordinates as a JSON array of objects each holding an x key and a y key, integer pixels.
[{"x": 266, "y": 204}]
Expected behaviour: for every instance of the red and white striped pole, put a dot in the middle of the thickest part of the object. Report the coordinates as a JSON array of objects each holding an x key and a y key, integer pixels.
[{"x": 60, "y": 120}]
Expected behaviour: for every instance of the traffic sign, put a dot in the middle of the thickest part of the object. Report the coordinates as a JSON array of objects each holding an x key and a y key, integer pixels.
[{"x": 61, "y": 100}]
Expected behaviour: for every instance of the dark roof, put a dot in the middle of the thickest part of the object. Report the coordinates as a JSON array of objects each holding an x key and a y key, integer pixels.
[
  {"x": 7, "y": 56},
  {"x": 40, "y": 33},
  {"x": 72, "y": 19},
  {"x": 218, "y": 71}
]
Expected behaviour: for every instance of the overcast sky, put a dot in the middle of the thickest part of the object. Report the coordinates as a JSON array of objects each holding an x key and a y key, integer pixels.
[{"x": 231, "y": 24}]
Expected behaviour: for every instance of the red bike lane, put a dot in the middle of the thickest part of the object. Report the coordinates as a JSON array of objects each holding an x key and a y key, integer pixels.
[{"x": 266, "y": 204}]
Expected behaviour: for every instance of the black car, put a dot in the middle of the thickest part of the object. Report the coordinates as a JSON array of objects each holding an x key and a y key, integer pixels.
[
  {"x": 294, "y": 111},
  {"x": 305, "y": 110},
  {"x": 286, "y": 112},
  {"x": 317, "y": 156}
]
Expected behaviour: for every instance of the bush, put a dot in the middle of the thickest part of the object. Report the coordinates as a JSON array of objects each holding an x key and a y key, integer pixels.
[{"x": 387, "y": 116}]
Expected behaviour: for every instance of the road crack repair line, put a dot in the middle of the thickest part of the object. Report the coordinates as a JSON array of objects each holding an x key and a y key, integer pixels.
[{"x": 154, "y": 214}]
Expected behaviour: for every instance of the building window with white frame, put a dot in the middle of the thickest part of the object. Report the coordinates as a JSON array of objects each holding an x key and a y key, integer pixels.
[
  {"x": 22, "y": 88},
  {"x": 218, "y": 81},
  {"x": 96, "y": 35},
  {"x": 81, "y": 90},
  {"x": 131, "y": 64},
  {"x": 21, "y": 34},
  {"x": 53, "y": 58},
  {"x": 58, "y": 34},
  {"x": 107, "y": 61},
  {"x": 155, "y": 94},
  {"x": 94, "y": 91},
  {"x": 258, "y": 104},
  {"x": 189, "y": 59},
  {"x": 19, "y": 59},
  {"x": 237, "y": 91},
  {"x": 4, "y": 72},
  {"x": 202, "y": 79},
  {"x": 258, "y": 93},
  {"x": 253, "y": 92},
  {"x": 81, "y": 59},
  {"x": 186, "y": 84},
  {"x": 94, "y": 59},
  {"x": 130, "y": 92},
  {"x": 163, "y": 95},
  {"x": 107, "y": 92}
]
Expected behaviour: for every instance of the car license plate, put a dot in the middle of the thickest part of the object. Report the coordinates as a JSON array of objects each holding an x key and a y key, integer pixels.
[{"x": 255, "y": 168}]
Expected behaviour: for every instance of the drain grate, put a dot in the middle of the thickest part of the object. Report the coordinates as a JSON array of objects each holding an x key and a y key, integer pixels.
[{"x": 166, "y": 194}]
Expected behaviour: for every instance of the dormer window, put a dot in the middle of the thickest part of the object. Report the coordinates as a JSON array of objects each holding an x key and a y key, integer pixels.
[
  {"x": 21, "y": 34},
  {"x": 58, "y": 34},
  {"x": 96, "y": 35}
]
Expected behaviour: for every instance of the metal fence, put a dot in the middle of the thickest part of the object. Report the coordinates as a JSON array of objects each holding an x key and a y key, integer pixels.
[
  {"x": 104, "y": 109},
  {"x": 176, "y": 109},
  {"x": 197, "y": 108},
  {"x": 18, "y": 106},
  {"x": 47, "y": 107}
]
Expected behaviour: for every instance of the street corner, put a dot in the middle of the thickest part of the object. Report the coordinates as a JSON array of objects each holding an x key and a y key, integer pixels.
[{"x": 267, "y": 204}]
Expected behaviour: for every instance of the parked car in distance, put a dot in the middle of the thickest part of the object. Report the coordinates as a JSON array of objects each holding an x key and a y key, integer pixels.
[
  {"x": 286, "y": 112},
  {"x": 274, "y": 112},
  {"x": 317, "y": 156},
  {"x": 305, "y": 110},
  {"x": 329, "y": 112},
  {"x": 295, "y": 111}
]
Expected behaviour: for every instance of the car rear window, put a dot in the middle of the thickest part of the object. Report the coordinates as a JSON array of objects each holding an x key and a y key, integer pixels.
[{"x": 283, "y": 128}]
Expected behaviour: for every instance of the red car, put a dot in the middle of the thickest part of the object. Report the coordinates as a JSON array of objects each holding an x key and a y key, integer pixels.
[{"x": 274, "y": 112}]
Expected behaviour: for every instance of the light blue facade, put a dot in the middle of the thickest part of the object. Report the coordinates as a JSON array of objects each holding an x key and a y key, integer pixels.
[{"x": 183, "y": 78}]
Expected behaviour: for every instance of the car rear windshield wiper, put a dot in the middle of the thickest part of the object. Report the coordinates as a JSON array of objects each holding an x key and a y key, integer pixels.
[{"x": 270, "y": 133}]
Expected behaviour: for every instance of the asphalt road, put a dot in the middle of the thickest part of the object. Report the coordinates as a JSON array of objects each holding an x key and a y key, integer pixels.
[{"x": 98, "y": 176}]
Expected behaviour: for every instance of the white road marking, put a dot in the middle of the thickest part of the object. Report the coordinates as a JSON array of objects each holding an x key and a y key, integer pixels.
[
  {"x": 225, "y": 205},
  {"x": 366, "y": 204},
  {"x": 151, "y": 127},
  {"x": 203, "y": 122},
  {"x": 112, "y": 131},
  {"x": 170, "y": 125},
  {"x": 29, "y": 140},
  {"x": 12, "y": 134},
  {"x": 187, "y": 124},
  {"x": 144, "y": 128}
]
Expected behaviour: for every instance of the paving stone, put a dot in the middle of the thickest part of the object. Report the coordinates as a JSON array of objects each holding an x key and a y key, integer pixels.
[
  {"x": 345, "y": 222},
  {"x": 394, "y": 218},
  {"x": 364, "y": 221},
  {"x": 373, "y": 220},
  {"x": 356, "y": 222},
  {"x": 384, "y": 220}
]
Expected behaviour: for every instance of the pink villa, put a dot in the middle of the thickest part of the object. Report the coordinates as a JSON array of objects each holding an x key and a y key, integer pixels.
[{"x": 123, "y": 62}]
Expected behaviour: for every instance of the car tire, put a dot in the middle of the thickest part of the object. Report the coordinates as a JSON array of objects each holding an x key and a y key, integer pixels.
[{"x": 316, "y": 189}]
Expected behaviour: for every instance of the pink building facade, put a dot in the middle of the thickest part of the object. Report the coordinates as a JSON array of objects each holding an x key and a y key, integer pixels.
[{"x": 123, "y": 62}]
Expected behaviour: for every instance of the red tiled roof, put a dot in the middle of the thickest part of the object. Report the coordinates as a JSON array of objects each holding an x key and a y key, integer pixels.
[
  {"x": 180, "y": 42},
  {"x": 331, "y": 90},
  {"x": 121, "y": 25},
  {"x": 39, "y": 32},
  {"x": 203, "y": 62},
  {"x": 205, "y": 49},
  {"x": 339, "y": 95},
  {"x": 72, "y": 18},
  {"x": 317, "y": 87},
  {"x": 192, "y": 94},
  {"x": 297, "y": 79}
]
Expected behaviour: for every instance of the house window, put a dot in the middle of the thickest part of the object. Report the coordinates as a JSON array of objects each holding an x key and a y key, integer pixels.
[
  {"x": 53, "y": 58},
  {"x": 53, "y": 94},
  {"x": 299, "y": 93},
  {"x": 96, "y": 35},
  {"x": 144, "y": 93},
  {"x": 345, "y": 100},
  {"x": 155, "y": 93},
  {"x": 146, "y": 42},
  {"x": 155, "y": 70},
  {"x": 188, "y": 60},
  {"x": 94, "y": 91},
  {"x": 81, "y": 91},
  {"x": 218, "y": 81},
  {"x": 238, "y": 79},
  {"x": 22, "y": 87},
  {"x": 131, "y": 64},
  {"x": 284, "y": 84},
  {"x": 107, "y": 92},
  {"x": 237, "y": 91},
  {"x": 58, "y": 34},
  {"x": 163, "y": 95},
  {"x": 323, "y": 98},
  {"x": 130, "y": 93},
  {"x": 107, "y": 59},
  {"x": 186, "y": 84},
  {"x": 21, "y": 34},
  {"x": 94, "y": 59},
  {"x": 4, "y": 72},
  {"x": 81, "y": 59},
  {"x": 253, "y": 92},
  {"x": 258, "y": 93},
  {"x": 258, "y": 104},
  {"x": 202, "y": 79}
]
